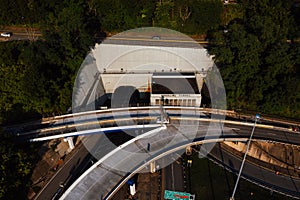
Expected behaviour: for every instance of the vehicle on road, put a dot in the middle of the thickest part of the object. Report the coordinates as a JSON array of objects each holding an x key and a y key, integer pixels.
[
  {"x": 6, "y": 34},
  {"x": 59, "y": 192}
]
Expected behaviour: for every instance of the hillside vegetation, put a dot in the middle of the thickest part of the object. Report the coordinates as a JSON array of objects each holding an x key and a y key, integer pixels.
[{"x": 255, "y": 44}]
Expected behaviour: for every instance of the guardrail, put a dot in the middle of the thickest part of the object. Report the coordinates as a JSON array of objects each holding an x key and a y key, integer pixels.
[
  {"x": 110, "y": 190},
  {"x": 49, "y": 122},
  {"x": 230, "y": 113}
]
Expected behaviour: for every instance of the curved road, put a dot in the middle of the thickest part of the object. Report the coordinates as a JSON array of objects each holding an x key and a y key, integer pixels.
[
  {"x": 262, "y": 176},
  {"x": 180, "y": 131},
  {"x": 103, "y": 177},
  {"x": 65, "y": 126}
]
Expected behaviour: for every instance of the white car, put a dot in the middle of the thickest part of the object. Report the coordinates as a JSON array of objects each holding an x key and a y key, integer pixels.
[
  {"x": 6, "y": 34},
  {"x": 156, "y": 37}
]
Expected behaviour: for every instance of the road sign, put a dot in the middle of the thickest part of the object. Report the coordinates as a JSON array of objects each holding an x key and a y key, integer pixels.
[{"x": 176, "y": 195}]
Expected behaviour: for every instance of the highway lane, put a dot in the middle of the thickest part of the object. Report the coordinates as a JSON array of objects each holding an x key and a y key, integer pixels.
[
  {"x": 242, "y": 130},
  {"x": 260, "y": 175},
  {"x": 185, "y": 126},
  {"x": 68, "y": 172},
  {"x": 103, "y": 118},
  {"x": 149, "y": 41},
  {"x": 115, "y": 162},
  {"x": 21, "y": 33},
  {"x": 87, "y": 118},
  {"x": 262, "y": 132},
  {"x": 91, "y": 120},
  {"x": 111, "y": 120},
  {"x": 174, "y": 177}
]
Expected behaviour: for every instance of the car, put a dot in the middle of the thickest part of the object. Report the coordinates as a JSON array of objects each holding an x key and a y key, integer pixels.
[
  {"x": 58, "y": 192},
  {"x": 156, "y": 37},
  {"x": 6, "y": 34}
]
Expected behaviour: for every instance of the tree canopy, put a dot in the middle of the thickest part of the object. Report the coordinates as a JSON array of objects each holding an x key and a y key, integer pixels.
[
  {"x": 256, "y": 45},
  {"x": 258, "y": 62},
  {"x": 15, "y": 168}
]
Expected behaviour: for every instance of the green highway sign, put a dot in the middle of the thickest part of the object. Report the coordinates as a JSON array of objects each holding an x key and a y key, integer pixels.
[{"x": 176, "y": 195}]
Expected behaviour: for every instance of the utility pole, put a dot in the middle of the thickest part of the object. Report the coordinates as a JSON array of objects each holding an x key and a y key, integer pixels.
[{"x": 243, "y": 162}]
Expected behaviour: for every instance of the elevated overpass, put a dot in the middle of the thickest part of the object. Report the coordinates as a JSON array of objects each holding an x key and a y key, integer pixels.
[
  {"x": 116, "y": 119},
  {"x": 156, "y": 133},
  {"x": 106, "y": 176}
]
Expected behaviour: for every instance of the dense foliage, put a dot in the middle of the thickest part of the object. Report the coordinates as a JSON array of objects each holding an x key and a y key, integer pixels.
[
  {"x": 36, "y": 77},
  {"x": 190, "y": 16},
  {"x": 255, "y": 43},
  {"x": 259, "y": 58},
  {"x": 15, "y": 168}
]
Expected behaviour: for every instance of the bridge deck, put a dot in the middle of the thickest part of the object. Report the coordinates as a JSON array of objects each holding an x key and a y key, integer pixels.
[{"x": 110, "y": 172}]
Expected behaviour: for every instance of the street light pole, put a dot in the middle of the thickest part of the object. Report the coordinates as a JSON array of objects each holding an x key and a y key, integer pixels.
[{"x": 244, "y": 159}]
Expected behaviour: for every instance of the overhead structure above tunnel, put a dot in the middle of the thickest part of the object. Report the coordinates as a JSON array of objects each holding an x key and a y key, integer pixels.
[{"x": 136, "y": 59}]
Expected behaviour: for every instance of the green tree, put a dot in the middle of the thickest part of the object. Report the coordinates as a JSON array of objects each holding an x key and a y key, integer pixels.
[
  {"x": 69, "y": 33},
  {"x": 205, "y": 15},
  {"x": 257, "y": 63},
  {"x": 231, "y": 12},
  {"x": 145, "y": 12},
  {"x": 114, "y": 15},
  {"x": 238, "y": 55},
  {"x": 20, "y": 12},
  {"x": 70, "y": 28},
  {"x": 164, "y": 14},
  {"x": 17, "y": 162}
]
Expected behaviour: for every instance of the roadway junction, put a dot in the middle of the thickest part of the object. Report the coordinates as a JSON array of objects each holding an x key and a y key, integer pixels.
[
  {"x": 168, "y": 73},
  {"x": 166, "y": 139}
]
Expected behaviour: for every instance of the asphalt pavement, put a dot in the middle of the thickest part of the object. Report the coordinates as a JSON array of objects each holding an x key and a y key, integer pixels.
[
  {"x": 21, "y": 33},
  {"x": 262, "y": 176},
  {"x": 78, "y": 160},
  {"x": 174, "y": 177},
  {"x": 111, "y": 169}
]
